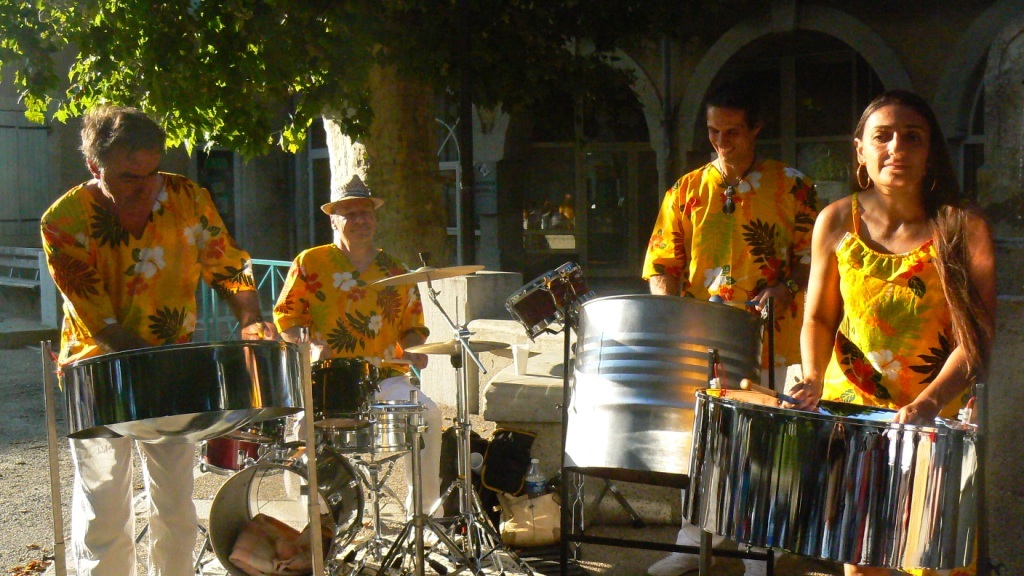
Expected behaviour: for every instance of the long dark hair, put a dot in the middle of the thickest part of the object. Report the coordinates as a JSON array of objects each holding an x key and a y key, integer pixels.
[{"x": 948, "y": 211}]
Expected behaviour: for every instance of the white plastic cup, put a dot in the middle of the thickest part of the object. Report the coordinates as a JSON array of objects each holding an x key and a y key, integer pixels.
[
  {"x": 476, "y": 461},
  {"x": 520, "y": 353}
]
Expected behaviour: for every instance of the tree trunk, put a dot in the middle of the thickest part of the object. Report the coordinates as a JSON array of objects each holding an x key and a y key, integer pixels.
[{"x": 398, "y": 161}]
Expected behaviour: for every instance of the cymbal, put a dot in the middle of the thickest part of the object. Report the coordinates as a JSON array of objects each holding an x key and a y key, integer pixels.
[
  {"x": 452, "y": 347},
  {"x": 428, "y": 273}
]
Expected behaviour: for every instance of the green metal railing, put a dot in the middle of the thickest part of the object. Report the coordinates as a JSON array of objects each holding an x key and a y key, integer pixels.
[{"x": 214, "y": 321}]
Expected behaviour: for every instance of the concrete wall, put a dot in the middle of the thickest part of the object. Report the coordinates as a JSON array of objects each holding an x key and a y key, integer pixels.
[{"x": 463, "y": 299}]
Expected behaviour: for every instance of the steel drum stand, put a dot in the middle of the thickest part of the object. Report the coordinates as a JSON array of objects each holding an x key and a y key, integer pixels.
[
  {"x": 60, "y": 565},
  {"x": 984, "y": 565},
  {"x": 480, "y": 542}
]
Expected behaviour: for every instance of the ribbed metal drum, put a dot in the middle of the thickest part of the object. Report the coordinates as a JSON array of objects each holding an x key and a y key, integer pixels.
[{"x": 640, "y": 359}]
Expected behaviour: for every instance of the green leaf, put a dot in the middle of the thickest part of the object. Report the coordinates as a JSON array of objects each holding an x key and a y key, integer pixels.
[{"x": 917, "y": 286}]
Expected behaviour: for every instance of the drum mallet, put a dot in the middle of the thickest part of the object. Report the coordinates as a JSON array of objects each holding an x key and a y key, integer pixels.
[{"x": 746, "y": 384}]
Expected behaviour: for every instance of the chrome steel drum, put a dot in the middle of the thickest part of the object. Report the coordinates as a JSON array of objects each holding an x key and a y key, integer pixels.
[
  {"x": 182, "y": 393},
  {"x": 343, "y": 386},
  {"x": 548, "y": 298},
  {"x": 845, "y": 484},
  {"x": 392, "y": 431},
  {"x": 272, "y": 487},
  {"x": 639, "y": 361},
  {"x": 345, "y": 435}
]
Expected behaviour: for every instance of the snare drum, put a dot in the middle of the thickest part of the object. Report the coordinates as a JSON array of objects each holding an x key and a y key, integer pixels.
[
  {"x": 243, "y": 447},
  {"x": 549, "y": 298},
  {"x": 391, "y": 429},
  {"x": 345, "y": 435},
  {"x": 343, "y": 386}
]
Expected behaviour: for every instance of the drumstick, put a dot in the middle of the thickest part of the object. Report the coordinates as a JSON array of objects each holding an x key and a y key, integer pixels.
[{"x": 746, "y": 384}]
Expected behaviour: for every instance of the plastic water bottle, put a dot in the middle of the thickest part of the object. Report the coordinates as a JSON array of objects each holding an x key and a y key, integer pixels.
[{"x": 535, "y": 479}]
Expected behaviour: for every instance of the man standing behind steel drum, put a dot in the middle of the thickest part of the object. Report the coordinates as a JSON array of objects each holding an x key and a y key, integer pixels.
[
  {"x": 736, "y": 231},
  {"x": 126, "y": 250}
]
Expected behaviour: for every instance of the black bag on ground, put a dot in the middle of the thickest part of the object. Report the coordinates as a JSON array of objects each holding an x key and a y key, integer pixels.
[{"x": 507, "y": 460}]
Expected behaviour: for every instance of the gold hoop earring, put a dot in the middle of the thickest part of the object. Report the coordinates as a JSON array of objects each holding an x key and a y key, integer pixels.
[
  {"x": 867, "y": 177},
  {"x": 935, "y": 182}
]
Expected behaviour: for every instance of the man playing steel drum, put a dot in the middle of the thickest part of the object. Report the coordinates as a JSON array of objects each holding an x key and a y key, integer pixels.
[
  {"x": 126, "y": 250},
  {"x": 736, "y": 231}
]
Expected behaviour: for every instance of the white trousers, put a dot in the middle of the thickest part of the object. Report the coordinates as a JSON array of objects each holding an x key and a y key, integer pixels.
[
  {"x": 103, "y": 518},
  {"x": 398, "y": 388}
]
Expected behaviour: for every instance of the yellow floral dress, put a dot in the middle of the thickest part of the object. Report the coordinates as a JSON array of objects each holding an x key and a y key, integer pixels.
[
  {"x": 736, "y": 256},
  {"x": 896, "y": 331},
  {"x": 326, "y": 293},
  {"x": 147, "y": 284}
]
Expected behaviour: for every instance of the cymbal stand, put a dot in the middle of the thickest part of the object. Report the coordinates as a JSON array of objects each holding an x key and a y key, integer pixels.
[{"x": 480, "y": 541}]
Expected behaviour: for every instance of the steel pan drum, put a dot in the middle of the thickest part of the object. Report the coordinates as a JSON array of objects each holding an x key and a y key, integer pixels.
[
  {"x": 639, "y": 361},
  {"x": 182, "y": 393},
  {"x": 844, "y": 484}
]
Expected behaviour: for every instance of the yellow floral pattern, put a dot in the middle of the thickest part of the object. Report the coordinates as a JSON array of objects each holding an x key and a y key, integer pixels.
[
  {"x": 735, "y": 256},
  {"x": 325, "y": 292},
  {"x": 896, "y": 331},
  {"x": 147, "y": 284}
]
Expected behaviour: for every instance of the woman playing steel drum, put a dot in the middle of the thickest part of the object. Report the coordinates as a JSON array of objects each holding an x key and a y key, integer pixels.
[{"x": 901, "y": 300}]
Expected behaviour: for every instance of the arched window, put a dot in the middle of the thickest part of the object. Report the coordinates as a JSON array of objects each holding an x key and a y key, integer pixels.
[
  {"x": 973, "y": 155},
  {"x": 813, "y": 89}
]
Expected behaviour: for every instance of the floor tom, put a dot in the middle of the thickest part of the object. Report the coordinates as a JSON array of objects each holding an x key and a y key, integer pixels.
[{"x": 343, "y": 387}]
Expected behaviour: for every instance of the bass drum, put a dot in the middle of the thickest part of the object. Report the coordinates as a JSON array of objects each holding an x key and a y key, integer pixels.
[
  {"x": 272, "y": 487},
  {"x": 844, "y": 484}
]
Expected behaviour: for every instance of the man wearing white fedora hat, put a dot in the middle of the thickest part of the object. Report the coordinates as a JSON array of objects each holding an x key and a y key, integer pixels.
[{"x": 329, "y": 291}]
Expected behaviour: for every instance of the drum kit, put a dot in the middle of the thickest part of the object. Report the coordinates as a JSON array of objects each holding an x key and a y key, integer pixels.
[
  {"x": 657, "y": 374},
  {"x": 231, "y": 397}
]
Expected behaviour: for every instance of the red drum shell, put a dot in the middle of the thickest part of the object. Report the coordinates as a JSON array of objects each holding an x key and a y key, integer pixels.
[{"x": 547, "y": 299}]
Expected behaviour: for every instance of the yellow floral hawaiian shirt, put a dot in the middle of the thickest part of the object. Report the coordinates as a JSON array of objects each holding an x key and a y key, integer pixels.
[
  {"x": 326, "y": 293},
  {"x": 148, "y": 284},
  {"x": 735, "y": 256}
]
